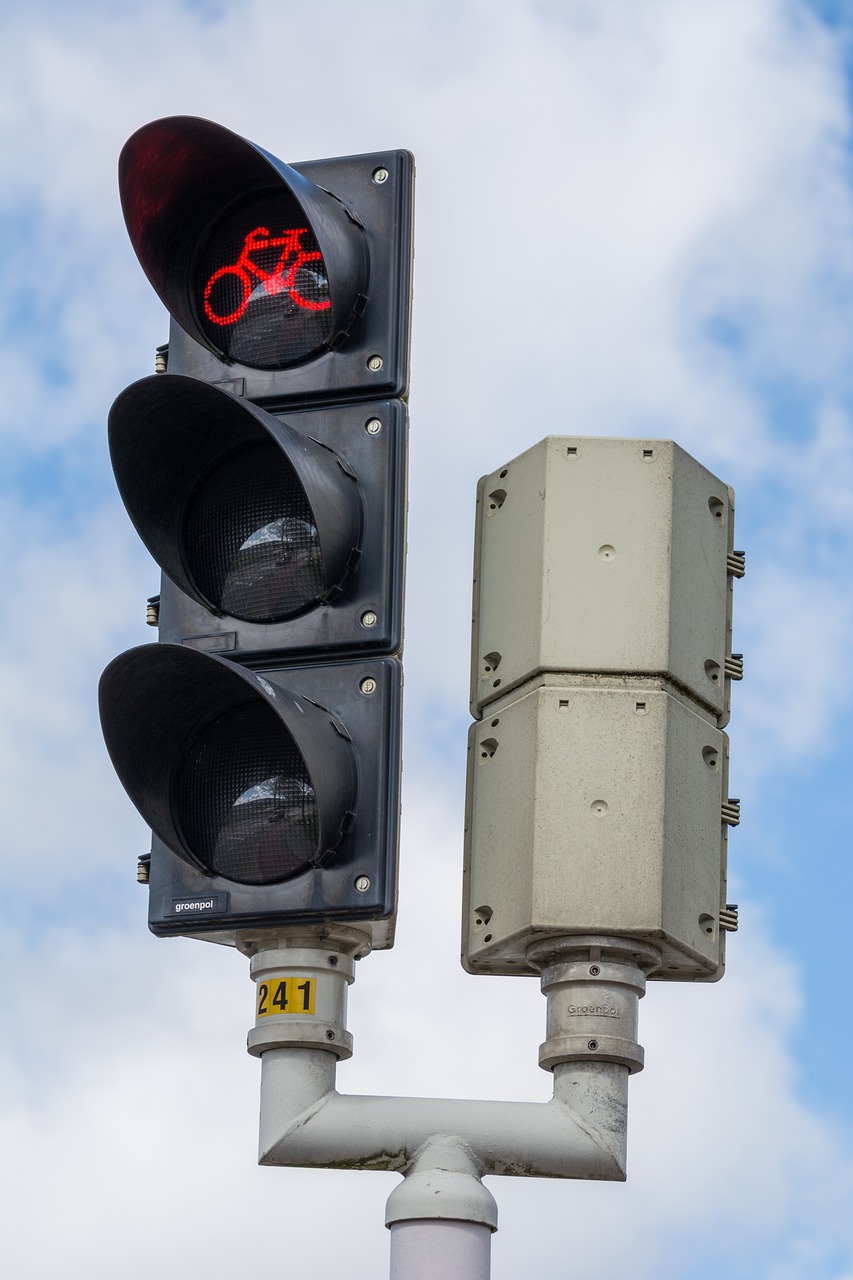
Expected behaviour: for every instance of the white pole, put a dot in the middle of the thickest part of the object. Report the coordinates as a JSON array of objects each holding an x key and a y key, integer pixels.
[
  {"x": 426, "y": 1249},
  {"x": 441, "y": 1217}
]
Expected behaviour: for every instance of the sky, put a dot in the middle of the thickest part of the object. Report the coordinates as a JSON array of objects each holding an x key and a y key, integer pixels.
[{"x": 632, "y": 219}]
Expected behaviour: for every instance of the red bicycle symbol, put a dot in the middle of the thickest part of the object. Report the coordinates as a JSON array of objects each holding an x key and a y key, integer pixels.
[{"x": 282, "y": 279}]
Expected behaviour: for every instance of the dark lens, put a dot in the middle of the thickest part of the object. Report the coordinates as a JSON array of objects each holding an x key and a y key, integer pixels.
[
  {"x": 244, "y": 800},
  {"x": 261, "y": 288},
  {"x": 250, "y": 541}
]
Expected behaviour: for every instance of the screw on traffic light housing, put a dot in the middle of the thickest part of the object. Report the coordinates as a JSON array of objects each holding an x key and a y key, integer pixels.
[{"x": 265, "y": 472}]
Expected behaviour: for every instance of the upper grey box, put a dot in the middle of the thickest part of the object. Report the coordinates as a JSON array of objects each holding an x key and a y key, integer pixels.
[{"x": 605, "y": 556}]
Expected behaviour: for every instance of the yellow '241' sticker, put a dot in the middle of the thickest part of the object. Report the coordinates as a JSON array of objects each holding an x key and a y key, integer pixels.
[{"x": 286, "y": 995}]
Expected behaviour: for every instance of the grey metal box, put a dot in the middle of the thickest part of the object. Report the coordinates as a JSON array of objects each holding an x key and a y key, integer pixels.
[
  {"x": 595, "y": 807},
  {"x": 603, "y": 555}
]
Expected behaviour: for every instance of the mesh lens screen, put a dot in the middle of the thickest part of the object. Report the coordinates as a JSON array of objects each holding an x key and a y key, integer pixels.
[
  {"x": 261, "y": 289},
  {"x": 244, "y": 801},
  {"x": 250, "y": 542}
]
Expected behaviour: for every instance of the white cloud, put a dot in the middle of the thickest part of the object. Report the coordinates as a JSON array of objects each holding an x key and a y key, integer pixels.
[
  {"x": 798, "y": 636},
  {"x": 77, "y": 593},
  {"x": 599, "y": 187}
]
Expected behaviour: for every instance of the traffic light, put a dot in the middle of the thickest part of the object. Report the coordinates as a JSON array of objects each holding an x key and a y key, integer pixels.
[
  {"x": 292, "y": 282},
  {"x": 265, "y": 470}
]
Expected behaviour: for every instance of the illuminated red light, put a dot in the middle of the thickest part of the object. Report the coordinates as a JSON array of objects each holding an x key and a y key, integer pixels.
[{"x": 282, "y": 278}]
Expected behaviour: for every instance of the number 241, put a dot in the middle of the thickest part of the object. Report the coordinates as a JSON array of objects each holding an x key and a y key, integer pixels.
[{"x": 288, "y": 995}]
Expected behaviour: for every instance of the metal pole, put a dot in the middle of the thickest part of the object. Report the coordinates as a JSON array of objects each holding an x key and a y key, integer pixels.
[
  {"x": 452, "y": 1250},
  {"x": 441, "y": 1217}
]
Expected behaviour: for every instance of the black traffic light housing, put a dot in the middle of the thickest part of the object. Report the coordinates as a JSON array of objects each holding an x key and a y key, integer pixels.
[
  {"x": 267, "y": 804},
  {"x": 323, "y": 315},
  {"x": 282, "y": 533},
  {"x": 265, "y": 471}
]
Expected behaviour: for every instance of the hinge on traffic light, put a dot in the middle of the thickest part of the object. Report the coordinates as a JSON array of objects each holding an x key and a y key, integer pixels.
[
  {"x": 731, "y": 811},
  {"x": 734, "y": 666},
  {"x": 143, "y": 868},
  {"x": 728, "y": 917},
  {"x": 152, "y": 611},
  {"x": 736, "y": 563},
  {"x": 161, "y": 358}
]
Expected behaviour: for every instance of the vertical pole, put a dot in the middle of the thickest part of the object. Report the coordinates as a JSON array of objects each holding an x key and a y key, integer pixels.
[
  {"x": 425, "y": 1249},
  {"x": 441, "y": 1217}
]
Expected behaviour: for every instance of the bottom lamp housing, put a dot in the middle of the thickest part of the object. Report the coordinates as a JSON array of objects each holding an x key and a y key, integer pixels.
[
  {"x": 166, "y": 712},
  {"x": 358, "y": 881}
]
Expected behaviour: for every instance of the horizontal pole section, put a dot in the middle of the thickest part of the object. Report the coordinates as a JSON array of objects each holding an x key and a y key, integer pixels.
[{"x": 579, "y": 1133}]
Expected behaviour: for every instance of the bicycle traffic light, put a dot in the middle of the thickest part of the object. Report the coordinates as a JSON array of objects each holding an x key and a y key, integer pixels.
[
  {"x": 265, "y": 472},
  {"x": 292, "y": 281}
]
